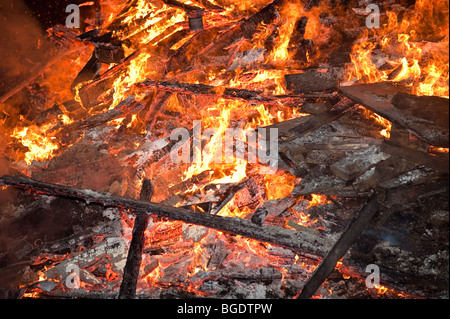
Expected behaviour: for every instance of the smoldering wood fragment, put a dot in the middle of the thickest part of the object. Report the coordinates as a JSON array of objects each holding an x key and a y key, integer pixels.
[
  {"x": 440, "y": 164},
  {"x": 264, "y": 16},
  {"x": 431, "y": 108},
  {"x": 272, "y": 208},
  {"x": 231, "y": 193},
  {"x": 384, "y": 171},
  {"x": 325, "y": 185},
  {"x": 88, "y": 72},
  {"x": 313, "y": 81},
  {"x": 314, "y": 122},
  {"x": 411, "y": 192},
  {"x": 199, "y": 180},
  {"x": 48, "y": 115},
  {"x": 303, "y": 47},
  {"x": 217, "y": 254},
  {"x": 128, "y": 106},
  {"x": 195, "y": 22},
  {"x": 338, "y": 251},
  {"x": 155, "y": 108},
  {"x": 357, "y": 163},
  {"x": 134, "y": 258},
  {"x": 305, "y": 244},
  {"x": 379, "y": 98}
]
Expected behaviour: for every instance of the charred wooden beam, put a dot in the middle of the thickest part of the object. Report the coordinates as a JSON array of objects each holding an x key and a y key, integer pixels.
[
  {"x": 313, "y": 81},
  {"x": 304, "y": 244},
  {"x": 209, "y": 90},
  {"x": 264, "y": 16},
  {"x": 314, "y": 122},
  {"x": 134, "y": 258},
  {"x": 128, "y": 106},
  {"x": 272, "y": 208},
  {"x": 416, "y": 156},
  {"x": 338, "y": 251}
]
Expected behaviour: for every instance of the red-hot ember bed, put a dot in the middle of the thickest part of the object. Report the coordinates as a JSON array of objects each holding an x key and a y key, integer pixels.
[{"x": 226, "y": 149}]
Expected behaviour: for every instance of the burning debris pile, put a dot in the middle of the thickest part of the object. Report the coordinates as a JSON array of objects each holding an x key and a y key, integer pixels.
[{"x": 229, "y": 149}]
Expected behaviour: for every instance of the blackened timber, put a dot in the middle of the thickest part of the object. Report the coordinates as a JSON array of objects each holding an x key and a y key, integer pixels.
[
  {"x": 305, "y": 244},
  {"x": 340, "y": 248},
  {"x": 209, "y": 90},
  {"x": 134, "y": 258},
  {"x": 437, "y": 163},
  {"x": 315, "y": 122},
  {"x": 313, "y": 81}
]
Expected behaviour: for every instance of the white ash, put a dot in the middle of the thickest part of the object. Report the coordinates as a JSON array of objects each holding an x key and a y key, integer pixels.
[
  {"x": 279, "y": 251},
  {"x": 194, "y": 232},
  {"x": 408, "y": 177},
  {"x": 111, "y": 213},
  {"x": 247, "y": 57}
]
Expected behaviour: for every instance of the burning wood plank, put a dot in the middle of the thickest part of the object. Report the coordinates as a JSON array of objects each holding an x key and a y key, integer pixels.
[
  {"x": 305, "y": 244},
  {"x": 416, "y": 156},
  {"x": 209, "y": 90}
]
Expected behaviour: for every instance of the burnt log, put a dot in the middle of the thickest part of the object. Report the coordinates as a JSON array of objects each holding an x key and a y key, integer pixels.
[
  {"x": 219, "y": 92},
  {"x": 305, "y": 244},
  {"x": 338, "y": 251},
  {"x": 416, "y": 156},
  {"x": 313, "y": 81},
  {"x": 134, "y": 258}
]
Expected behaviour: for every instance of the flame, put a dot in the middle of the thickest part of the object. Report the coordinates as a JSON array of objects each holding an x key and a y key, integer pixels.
[
  {"x": 289, "y": 13},
  {"x": 279, "y": 186},
  {"x": 427, "y": 73},
  {"x": 317, "y": 200},
  {"x": 40, "y": 147}
]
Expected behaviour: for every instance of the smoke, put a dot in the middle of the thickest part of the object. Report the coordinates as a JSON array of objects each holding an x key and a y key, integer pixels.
[{"x": 23, "y": 45}]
